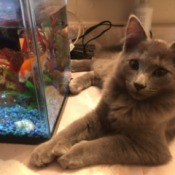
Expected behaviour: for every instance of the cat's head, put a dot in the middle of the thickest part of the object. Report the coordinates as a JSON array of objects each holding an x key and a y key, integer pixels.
[{"x": 147, "y": 66}]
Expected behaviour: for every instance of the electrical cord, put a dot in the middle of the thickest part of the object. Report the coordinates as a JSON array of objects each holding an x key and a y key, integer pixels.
[
  {"x": 92, "y": 28},
  {"x": 108, "y": 23}
]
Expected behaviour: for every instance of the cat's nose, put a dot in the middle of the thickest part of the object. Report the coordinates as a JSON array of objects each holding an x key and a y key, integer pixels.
[{"x": 139, "y": 86}]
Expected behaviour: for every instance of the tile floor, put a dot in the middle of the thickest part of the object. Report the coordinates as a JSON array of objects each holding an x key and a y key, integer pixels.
[{"x": 14, "y": 157}]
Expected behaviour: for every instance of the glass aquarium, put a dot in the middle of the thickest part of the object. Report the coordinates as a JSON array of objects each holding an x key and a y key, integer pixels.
[{"x": 34, "y": 68}]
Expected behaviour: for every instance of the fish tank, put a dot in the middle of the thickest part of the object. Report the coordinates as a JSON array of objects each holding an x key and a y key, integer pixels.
[{"x": 34, "y": 68}]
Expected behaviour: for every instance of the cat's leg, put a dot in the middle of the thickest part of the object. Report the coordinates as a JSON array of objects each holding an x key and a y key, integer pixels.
[
  {"x": 82, "y": 82},
  {"x": 117, "y": 149},
  {"x": 85, "y": 128},
  {"x": 81, "y": 65}
]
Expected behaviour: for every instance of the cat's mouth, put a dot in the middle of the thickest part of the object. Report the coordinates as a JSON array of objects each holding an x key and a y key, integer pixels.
[{"x": 139, "y": 95}]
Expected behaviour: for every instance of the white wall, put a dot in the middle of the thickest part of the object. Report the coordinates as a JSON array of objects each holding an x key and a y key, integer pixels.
[
  {"x": 93, "y": 11},
  {"x": 164, "y": 11},
  {"x": 117, "y": 11}
]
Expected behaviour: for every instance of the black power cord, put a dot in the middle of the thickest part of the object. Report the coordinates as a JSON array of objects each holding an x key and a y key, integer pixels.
[
  {"x": 109, "y": 25},
  {"x": 92, "y": 28}
]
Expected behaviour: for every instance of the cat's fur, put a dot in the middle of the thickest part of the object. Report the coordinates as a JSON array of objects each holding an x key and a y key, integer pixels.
[{"x": 134, "y": 120}]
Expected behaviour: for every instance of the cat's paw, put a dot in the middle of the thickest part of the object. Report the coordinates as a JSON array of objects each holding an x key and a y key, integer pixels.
[
  {"x": 75, "y": 157},
  {"x": 61, "y": 148},
  {"x": 68, "y": 161},
  {"x": 42, "y": 155},
  {"x": 75, "y": 87}
]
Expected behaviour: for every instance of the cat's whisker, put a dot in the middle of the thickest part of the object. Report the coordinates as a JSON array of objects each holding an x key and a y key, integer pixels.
[{"x": 153, "y": 90}]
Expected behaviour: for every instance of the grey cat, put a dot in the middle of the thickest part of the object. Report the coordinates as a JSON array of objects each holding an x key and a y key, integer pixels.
[{"x": 134, "y": 120}]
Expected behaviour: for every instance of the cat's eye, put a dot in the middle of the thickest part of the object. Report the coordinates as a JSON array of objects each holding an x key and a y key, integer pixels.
[
  {"x": 160, "y": 72},
  {"x": 134, "y": 64}
]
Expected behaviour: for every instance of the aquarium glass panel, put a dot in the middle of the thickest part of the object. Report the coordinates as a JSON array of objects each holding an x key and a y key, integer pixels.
[{"x": 34, "y": 68}]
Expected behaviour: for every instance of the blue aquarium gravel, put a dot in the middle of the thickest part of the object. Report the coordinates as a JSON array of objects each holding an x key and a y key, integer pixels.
[{"x": 9, "y": 115}]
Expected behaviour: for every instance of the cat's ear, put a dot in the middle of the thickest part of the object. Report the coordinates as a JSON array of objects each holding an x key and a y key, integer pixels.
[{"x": 134, "y": 33}]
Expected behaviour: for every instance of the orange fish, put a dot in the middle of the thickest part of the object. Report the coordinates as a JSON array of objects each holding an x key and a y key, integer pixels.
[{"x": 26, "y": 68}]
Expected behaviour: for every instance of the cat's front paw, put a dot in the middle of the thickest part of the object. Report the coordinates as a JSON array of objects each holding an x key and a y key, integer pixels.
[
  {"x": 68, "y": 161},
  {"x": 42, "y": 155},
  {"x": 74, "y": 158},
  {"x": 75, "y": 87},
  {"x": 61, "y": 148}
]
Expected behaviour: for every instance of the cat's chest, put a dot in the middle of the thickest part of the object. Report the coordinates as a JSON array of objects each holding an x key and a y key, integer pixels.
[
  {"x": 124, "y": 113},
  {"x": 120, "y": 111}
]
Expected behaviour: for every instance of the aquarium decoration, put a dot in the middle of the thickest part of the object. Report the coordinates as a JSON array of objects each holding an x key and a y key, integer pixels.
[{"x": 34, "y": 68}]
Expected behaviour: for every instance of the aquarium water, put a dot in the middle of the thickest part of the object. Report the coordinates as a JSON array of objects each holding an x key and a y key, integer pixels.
[{"x": 34, "y": 68}]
